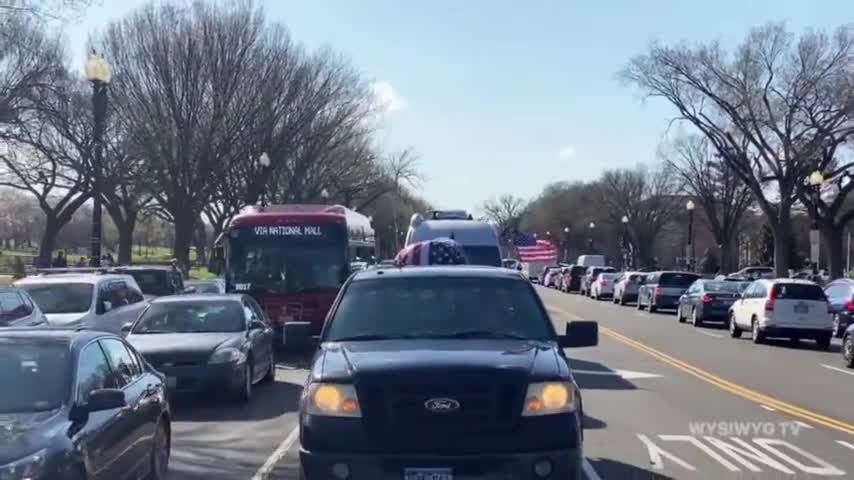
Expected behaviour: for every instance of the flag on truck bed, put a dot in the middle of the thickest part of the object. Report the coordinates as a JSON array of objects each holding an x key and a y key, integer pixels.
[
  {"x": 439, "y": 251},
  {"x": 532, "y": 250}
]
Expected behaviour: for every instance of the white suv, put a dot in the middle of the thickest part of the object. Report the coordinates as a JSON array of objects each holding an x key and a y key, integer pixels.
[
  {"x": 90, "y": 300},
  {"x": 783, "y": 307}
]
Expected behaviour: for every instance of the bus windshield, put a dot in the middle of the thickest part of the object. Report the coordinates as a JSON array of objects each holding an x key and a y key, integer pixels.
[{"x": 287, "y": 268}]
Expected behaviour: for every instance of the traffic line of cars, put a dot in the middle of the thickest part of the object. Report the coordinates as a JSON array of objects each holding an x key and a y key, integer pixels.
[
  {"x": 90, "y": 361},
  {"x": 764, "y": 307}
]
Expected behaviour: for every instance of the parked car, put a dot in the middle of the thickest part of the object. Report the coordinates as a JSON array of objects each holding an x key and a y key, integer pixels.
[
  {"x": 590, "y": 276},
  {"x": 707, "y": 301},
  {"x": 626, "y": 287},
  {"x": 754, "y": 273},
  {"x": 92, "y": 300},
  {"x": 663, "y": 289},
  {"x": 571, "y": 281},
  {"x": 848, "y": 347},
  {"x": 17, "y": 309},
  {"x": 840, "y": 295},
  {"x": 550, "y": 275},
  {"x": 603, "y": 286},
  {"x": 448, "y": 366},
  {"x": 783, "y": 307},
  {"x": 207, "y": 343},
  {"x": 80, "y": 405}
]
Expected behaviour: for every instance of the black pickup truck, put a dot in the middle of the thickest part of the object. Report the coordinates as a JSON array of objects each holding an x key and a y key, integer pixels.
[{"x": 442, "y": 373}]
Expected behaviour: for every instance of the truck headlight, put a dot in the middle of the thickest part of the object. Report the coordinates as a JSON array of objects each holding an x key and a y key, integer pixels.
[
  {"x": 227, "y": 355},
  {"x": 548, "y": 398},
  {"x": 29, "y": 468},
  {"x": 332, "y": 400}
]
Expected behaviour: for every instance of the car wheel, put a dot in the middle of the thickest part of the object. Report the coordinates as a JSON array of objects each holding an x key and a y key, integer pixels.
[
  {"x": 695, "y": 319},
  {"x": 159, "y": 454},
  {"x": 756, "y": 334},
  {"x": 639, "y": 304},
  {"x": 652, "y": 308},
  {"x": 824, "y": 342},
  {"x": 270, "y": 377},
  {"x": 679, "y": 317},
  {"x": 837, "y": 328},
  {"x": 734, "y": 331},
  {"x": 848, "y": 351},
  {"x": 245, "y": 392}
]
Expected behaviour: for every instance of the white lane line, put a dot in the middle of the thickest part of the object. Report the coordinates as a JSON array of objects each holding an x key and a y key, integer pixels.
[
  {"x": 802, "y": 424},
  {"x": 711, "y": 334},
  {"x": 280, "y": 452},
  {"x": 845, "y": 444},
  {"x": 842, "y": 370},
  {"x": 589, "y": 471},
  {"x": 766, "y": 407}
]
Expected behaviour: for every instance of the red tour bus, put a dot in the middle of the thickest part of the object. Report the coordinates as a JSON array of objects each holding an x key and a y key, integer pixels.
[{"x": 293, "y": 259}]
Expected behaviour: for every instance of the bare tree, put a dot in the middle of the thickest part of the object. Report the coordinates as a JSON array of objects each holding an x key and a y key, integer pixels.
[
  {"x": 44, "y": 9},
  {"x": 181, "y": 88},
  {"x": 720, "y": 193},
  {"x": 769, "y": 109},
  {"x": 506, "y": 211},
  {"x": 647, "y": 198}
]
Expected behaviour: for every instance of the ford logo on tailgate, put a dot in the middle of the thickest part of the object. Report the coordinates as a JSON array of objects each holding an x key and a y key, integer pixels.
[{"x": 442, "y": 405}]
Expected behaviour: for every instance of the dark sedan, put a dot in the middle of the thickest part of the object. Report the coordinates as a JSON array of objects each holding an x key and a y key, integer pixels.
[
  {"x": 79, "y": 406},
  {"x": 663, "y": 289},
  {"x": 840, "y": 296},
  {"x": 207, "y": 343},
  {"x": 17, "y": 309},
  {"x": 708, "y": 301}
]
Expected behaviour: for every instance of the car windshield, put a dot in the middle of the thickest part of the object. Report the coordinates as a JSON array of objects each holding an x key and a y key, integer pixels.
[
  {"x": 34, "y": 375},
  {"x": 205, "y": 287},
  {"x": 192, "y": 316},
  {"x": 677, "y": 279},
  {"x": 13, "y": 306},
  {"x": 153, "y": 282},
  {"x": 61, "y": 297},
  {"x": 576, "y": 271},
  {"x": 797, "y": 291},
  {"x": 439, "y": 307},
  {"x": 723, "y": 287},
  {"x": 288, "y": 268},
  {"x": 483, "y": 255}
]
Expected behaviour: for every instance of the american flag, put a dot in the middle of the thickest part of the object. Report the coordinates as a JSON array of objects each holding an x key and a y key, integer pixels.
[
  {"x": 533, "y": 250},
  {"x": 439, "y": 251}
]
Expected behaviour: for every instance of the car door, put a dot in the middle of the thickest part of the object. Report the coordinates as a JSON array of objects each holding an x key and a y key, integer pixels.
[
  {"x": 739, "y": 307},
  {"x": 98, "y": 437},
  {"x": 685, "y": 301},
  {"x": 836, "y": 296},
  {"x": 134, "y": 424},
  {"x": 756, "y": 303},
  {"x": 261, "y": 338}
]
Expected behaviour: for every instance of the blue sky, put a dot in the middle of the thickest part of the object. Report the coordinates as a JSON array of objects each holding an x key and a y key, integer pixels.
[{"x": 500, "y": 96}]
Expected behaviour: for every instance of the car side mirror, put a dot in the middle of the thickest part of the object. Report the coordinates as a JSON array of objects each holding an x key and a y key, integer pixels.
[
  {"x": 190, "y": 289},
  {"x": 257, "y": 325},
  {"x": 126, "y": 327},
  {"x": 105, "y": 399},
  {"x": 580, "y": 334}
]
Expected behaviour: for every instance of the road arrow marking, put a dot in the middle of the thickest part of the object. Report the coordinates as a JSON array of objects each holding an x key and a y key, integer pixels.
[{"x": 625, "y": 374}]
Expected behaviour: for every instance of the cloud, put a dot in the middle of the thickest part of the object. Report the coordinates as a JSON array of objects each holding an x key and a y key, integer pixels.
[
  {"x": 566, "y": 152},
  {"x": 387, "y": 99}
]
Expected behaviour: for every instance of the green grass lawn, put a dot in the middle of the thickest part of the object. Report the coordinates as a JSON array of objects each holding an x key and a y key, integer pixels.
[{"x": 201, "y": 273}]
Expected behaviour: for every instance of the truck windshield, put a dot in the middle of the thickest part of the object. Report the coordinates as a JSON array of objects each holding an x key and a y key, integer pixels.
[
  {"x": 439, "y": 307},
  {"x": 287, "y": 268},
  {"x": 483, "y": 255}
]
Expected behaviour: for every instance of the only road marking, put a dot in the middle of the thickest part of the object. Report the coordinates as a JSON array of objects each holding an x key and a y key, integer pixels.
[
  {"x": 847, "y": 372},
  {"x": 274, "y": 458},
  {"x": 626, "y": 374}
]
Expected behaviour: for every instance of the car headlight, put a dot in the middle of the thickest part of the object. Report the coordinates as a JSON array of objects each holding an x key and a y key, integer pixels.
[
  {"x": 227, "y": 355},
  {"x": 332, "y": 400},
  {"x": 29, "y": 468},
  {"x": 548, "y": 398}
]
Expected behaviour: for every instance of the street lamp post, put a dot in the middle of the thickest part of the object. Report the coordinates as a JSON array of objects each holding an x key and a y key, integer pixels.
[
  {"x": 566, "y": 244},
  {"x": 592, "y": 225},
  {"x": 98, "y": 72},
  {"x": 690, "y": 207},
  {"x": 626, "y": 258},
  {"x": 816, "y": 179},
  {"x": 264, "y": 163}
]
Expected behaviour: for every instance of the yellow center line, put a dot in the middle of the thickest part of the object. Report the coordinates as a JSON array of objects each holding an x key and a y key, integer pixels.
[{"x": 723, "y": 384}]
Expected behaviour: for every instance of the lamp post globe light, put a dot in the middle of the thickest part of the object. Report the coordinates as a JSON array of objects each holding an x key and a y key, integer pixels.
[
  {"x": 566, "y": 244},
  {"x": 97, "y": 71},
  {"x": 324, "y": 194},
  {"x": 263, "y": 162},
  {"x": 592, "y": 226},
  {"x": 815, "y": 180},
  {"x": 625, "y": 242}
]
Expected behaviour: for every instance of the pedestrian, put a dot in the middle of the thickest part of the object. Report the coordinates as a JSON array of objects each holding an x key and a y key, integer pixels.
[{"x": 60, "y": 261}]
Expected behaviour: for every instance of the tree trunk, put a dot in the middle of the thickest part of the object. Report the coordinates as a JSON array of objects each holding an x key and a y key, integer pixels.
[
  {"x": 201, "y": 243},
  {"x": 184, "y": 228},
  {"x": 831, "y": 239},
  {"x": 51, "y": 232},
  {"x": 125, "y": 230},
  {"x": 782, "y": 246}
]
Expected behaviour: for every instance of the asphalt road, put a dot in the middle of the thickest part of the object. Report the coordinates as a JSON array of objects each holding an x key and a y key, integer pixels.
[{"x": 663, "y": 400}]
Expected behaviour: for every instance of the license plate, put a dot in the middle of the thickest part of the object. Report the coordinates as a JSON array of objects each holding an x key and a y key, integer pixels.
[
  {"x": 801, "y": 308},
  {"x": 428, "y": 474},
  {"x": 171, "y": 382}
]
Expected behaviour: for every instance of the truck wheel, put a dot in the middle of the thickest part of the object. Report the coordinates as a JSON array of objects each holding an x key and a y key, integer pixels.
[
  {"x": 756, "y": 334},
  {"x": 823, "y": 342},
  {"x": 639, "y": 304},
  {"x": 695, "y": 319},
  {"x": 848, "y": 351},
  {"x": 652, "y": 308}
]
